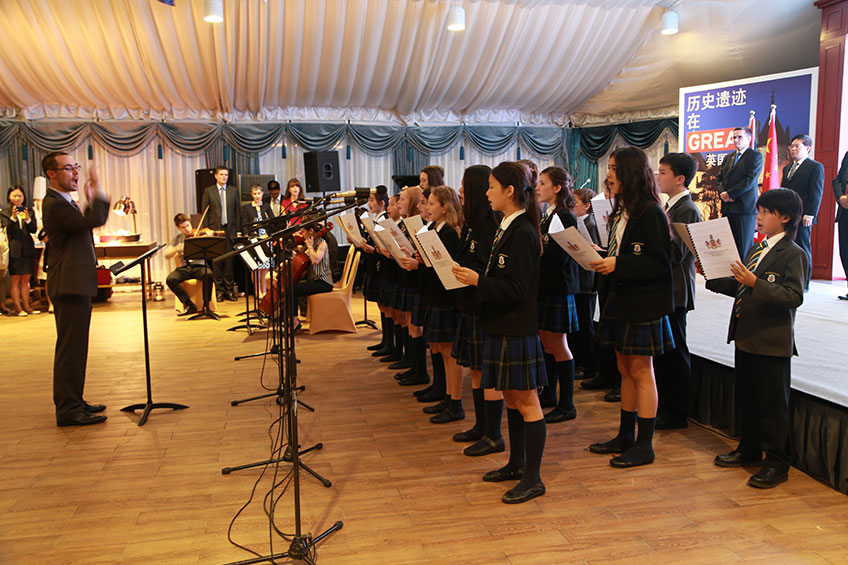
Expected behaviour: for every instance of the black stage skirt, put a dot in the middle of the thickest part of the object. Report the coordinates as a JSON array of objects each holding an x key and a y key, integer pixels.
[
  {"x": 633, "y": 338},
  {"x": 441, "y": 324},
  {"x": 558, "y": 313},
  {"x": 513, "y": 363},
  {"x": 420, "y": 311},
  {"x": 468, "y": 343}
]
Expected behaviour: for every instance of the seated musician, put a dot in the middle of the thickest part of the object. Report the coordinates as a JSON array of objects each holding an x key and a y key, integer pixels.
[
  {"x": 192, "y": 269},
  {"x": 318, "y": 277}
]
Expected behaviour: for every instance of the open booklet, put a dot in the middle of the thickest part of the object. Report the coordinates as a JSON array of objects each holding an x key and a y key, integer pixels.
[
  {"x": 351, "y": 228},
  {"x": 382, "y": 238},
  {"x": 578, "y": 247},
  {"x": 601, "y": 209},
  {"x": 712, "y": 243},
  {"x": 413, "y": 226},
  {"x": 439, "y": 257},
  {"x": 397, "y": 235}
]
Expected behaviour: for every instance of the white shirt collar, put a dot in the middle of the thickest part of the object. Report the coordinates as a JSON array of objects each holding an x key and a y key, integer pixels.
[
  {"x": 440, "y": 224},
  {"x": 65, "y": 195},
  {"x": 508, "y": 220},
  {"x": 800, "y": 161},
  {"x": 676, "y": 198}
]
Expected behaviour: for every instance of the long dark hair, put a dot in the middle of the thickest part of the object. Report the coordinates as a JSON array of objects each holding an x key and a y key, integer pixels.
[
  {"x": 560, "y": 177},
  {"x": 524, "y": 194},
  {"x": 639, "y": 190},
  {"x": 9, "y": 192},
  {"x": 477, "y": 209},
  {"x": 289, "y": 184},
  {"x": 382, "y": 195},
  {"x": 435, "y": 175}
]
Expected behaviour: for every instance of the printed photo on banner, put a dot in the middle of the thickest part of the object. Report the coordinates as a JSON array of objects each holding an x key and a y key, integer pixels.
[{"x": 708, "y": 114}]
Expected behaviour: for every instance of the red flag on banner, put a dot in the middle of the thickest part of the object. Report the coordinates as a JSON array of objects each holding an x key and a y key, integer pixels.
[{"x": 771, "y": 175}]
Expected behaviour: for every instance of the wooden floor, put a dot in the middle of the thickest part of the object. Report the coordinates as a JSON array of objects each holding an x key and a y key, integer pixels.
[{"x": 119, "y": 493}]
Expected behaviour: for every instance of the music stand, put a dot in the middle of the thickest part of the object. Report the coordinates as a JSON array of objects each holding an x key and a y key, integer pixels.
[
  {"x": 206, "y": 248},
  {"x": 249, "y": 267},
  {"x": 116, "y": 269}
]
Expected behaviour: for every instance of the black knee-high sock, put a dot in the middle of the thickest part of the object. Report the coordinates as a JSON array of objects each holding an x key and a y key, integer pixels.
[
  {"x": 439, "y": 383},
  {"x": 388, "y": 326},
  {"x": 549, "y": 391},
  {"x": 646, "y": 433},
  {"x": 407, "y": 347},
  {"x": 627, "y": 427},
  {"x": 399, "y": 333},
  {"x": 515, "y": 423},
  {"x": 534, "y": 434},
  {"x": 494, "y": 416},
  {"x": 565, "y": 372},
  {"x": 479, "y": 409}
]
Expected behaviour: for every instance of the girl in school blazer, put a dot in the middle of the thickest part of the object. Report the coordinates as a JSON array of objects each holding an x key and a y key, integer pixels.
[
  {"x": 637, "y": 298},
  {"x": 513, "y": 360},
  {"x": 559, "y": 281}
]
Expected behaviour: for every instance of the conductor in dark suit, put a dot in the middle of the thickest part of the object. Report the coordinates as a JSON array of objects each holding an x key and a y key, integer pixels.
[
  {"x": 737, "y": 182},
  {"x": 673, "y": 369},
  {"x": 806, "y": 177},
  {"x": 72, "y": 282},
  {"x": 224, "y": 214},
  {"x": 840, "y": 192}
]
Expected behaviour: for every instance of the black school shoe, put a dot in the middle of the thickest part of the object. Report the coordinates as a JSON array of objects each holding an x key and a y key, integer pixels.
[
  {"x": 560, "y": 415},
  {"x": 514, "y": 496},
  {"x": 447, "y": 415},
  {"x": 633, "y": 457},
  {"x": 768, "y": 477},
  {"x": 468, "y": 435},
  {"x": 485, "y": 446},
  {"x": 436, "y": 408},
  {"x": 504, "y": 474}
]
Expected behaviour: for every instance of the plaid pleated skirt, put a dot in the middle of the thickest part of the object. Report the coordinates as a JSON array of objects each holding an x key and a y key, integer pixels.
[
  {"x": 441, "y": 324},
  {"x": 373, "y": 289},
  {"x": 388, "y": 294},
  {"x": 633, "y": 338},
  {"x": 558, "y": 313},
  {"x": 420, "y": 311},
  {"x": 513, "y": 363},
  {"x": 404, "y": 298},
  {"x": 468, "y": 342}
]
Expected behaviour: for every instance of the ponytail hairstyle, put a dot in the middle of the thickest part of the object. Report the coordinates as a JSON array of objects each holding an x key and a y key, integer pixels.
[
  {"x": 533, "y": 169},
  {"x": 413, "y": 194},
  {"x": 382, "y": 195},
  {"x": 639, "y": 189},
  {"x": 449, "y": 198},
  {"x": 477, "y": 209},
  {"x": 517, "y": 175},
  {"x": 435, "y": 175},
  {"x": 560, "y": 177}
]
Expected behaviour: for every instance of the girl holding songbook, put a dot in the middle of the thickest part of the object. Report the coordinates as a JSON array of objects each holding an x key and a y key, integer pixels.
[
  {"x": 513, "y": 359},
  {"x": 636, "y": 297},
  {"x": 559, "y": 281},
  {"x": 478, "y": 232},
  {"x": 377, "y": 202},
  {"x": 388, "y": 275}
]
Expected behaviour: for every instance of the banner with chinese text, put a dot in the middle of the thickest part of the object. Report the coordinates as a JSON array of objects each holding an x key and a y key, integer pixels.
[{"x": 708, "y": 114}]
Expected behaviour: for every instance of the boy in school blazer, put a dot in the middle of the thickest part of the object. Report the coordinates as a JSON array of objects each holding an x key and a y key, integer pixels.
[
  {"x": 673, "y": 369},
  {"x": 768, "y": 289}
]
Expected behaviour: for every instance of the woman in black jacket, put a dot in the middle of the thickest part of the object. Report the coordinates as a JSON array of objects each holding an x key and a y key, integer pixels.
[{"x": 20, "y": 223}]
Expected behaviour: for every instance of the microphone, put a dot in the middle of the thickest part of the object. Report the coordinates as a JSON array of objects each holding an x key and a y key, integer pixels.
[
  {"x": 360, "y": 192},
  {"x": 585, "y": 183}
]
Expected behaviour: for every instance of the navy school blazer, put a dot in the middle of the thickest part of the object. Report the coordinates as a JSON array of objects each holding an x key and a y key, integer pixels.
[{"x": 560, "y": 274}]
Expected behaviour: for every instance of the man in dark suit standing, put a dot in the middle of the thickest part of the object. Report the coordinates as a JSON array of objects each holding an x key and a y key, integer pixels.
[
  {"x": 673, "y": 369},
  {"x": 72, "y": 281},
  {"x": 806, "y": 177},
  {"x": 840, "y": 183},
  {"x": 223, "y": 202},
  {"x": 273, "y": 197},
  {"x": 737, "y": 182}
]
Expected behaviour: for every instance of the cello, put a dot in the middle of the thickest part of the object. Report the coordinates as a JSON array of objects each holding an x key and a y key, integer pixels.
[{"x": 300, "y": 262}]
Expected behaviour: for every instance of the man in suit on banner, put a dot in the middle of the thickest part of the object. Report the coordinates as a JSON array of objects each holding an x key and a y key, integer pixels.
[
  {"x": 223, "y": 202},
  {"x": 72, "y": 281},
  {"x": 806, "y": 177},
  {"x": 737, "y": 183}
]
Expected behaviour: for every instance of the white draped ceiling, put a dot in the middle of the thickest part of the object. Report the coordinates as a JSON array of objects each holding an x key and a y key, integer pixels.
[{"x": 534, "y": 61}]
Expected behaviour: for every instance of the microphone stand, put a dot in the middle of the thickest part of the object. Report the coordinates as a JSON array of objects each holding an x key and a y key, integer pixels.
[{"x": 302, "y": 546}]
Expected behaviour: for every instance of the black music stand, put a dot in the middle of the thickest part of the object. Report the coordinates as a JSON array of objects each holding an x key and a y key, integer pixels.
[
  {"x": 206, "y": 248},
  {"x": 116, "y": 269},
  {"x": 248, "y": 270},
  {"x": 365, "y": 321}
]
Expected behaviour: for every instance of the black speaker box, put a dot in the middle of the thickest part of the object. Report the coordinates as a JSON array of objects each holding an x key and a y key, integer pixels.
[{"x": 322, "y": 172}]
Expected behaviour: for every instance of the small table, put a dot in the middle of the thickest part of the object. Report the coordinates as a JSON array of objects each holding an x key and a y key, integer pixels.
[{"x": 131, "y": 250}]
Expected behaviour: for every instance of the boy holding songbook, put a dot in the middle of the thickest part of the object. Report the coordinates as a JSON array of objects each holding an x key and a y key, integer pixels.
[
  {"x": 767, "y": 290},
  {"x": 673, "y": 368}
]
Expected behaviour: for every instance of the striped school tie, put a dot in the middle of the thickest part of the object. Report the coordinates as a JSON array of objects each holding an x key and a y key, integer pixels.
[
  {"x": 494, "y": 243},
  {"x": 755, "y": 256},
  {"x": 612, "y": 249}
]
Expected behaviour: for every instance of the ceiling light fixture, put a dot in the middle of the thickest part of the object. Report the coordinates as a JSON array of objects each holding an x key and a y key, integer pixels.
[
  {"x": 214, "y": 11},
  {"x": 669, "y": 22},
  {"x": 456, "y": 18}
]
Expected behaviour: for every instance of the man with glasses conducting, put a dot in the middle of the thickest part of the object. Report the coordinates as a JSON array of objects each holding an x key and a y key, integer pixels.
[
  {"x": 737, "y": 184},
  {"x": 72, "y": 281}
]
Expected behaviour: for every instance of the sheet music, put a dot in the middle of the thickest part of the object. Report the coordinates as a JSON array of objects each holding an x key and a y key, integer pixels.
[
  {"x": 389, "y": 242},
  {"x": 370, "y": 228},
  {"x": 413, "y": 226},
  {"x": 578, "y": 247},
  {"x": 392, "y": 227},
  {"x": 351, "y": 229},
  {"x": 439, "y": 257},
  {"x": 602, "y": 209},
  {"x": 713, "y": 244},
  {"x": 581, "y": 227}
]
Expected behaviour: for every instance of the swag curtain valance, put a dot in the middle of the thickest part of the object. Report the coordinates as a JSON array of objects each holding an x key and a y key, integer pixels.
[{"x": 127, "y": 139}]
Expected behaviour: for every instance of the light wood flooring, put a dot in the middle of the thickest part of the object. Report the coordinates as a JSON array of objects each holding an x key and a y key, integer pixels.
[{"x": 119, "y": 493}]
